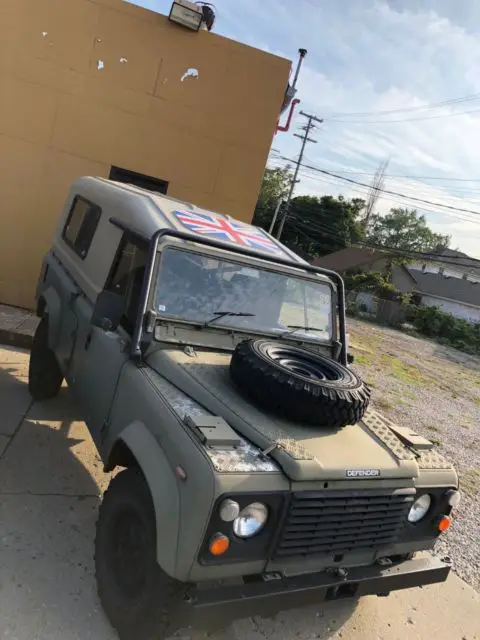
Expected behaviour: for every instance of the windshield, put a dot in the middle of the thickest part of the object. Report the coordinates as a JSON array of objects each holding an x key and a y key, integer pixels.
[{"x": 216, "y": 292}]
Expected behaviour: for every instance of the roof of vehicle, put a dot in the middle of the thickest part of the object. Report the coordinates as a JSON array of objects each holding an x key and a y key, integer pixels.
[{"x": 148, "y": 211}]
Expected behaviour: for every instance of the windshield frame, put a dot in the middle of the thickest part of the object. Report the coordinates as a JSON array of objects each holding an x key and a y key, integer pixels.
[
  {"x": 252, "y": 263},
  {"x": 143, "y": 330}
]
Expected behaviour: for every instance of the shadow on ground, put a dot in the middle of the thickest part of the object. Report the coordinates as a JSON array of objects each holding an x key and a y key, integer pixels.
[
  {"x": 51, "y": 481},
  {"x": 50, "y": 486}
]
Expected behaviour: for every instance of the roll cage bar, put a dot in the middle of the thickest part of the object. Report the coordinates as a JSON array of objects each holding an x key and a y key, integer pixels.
[{"x": 154, "y": 241}]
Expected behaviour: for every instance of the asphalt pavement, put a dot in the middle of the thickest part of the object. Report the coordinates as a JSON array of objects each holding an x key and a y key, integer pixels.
[{"x": 51, "y": 482}]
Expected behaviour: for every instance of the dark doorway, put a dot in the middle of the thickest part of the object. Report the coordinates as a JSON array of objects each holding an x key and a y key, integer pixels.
[{"x": 138, "y": 179}]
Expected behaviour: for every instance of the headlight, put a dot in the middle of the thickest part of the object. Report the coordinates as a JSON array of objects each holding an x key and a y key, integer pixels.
[
  {"x": 251, "y": 520},
  {"x": 419, "y": 508},
  {"x": 454, "y": 498},
  {"x": 229, "y": 510}
]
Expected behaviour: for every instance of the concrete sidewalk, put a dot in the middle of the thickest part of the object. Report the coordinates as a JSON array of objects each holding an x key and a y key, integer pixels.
[
  {"x": 17, "y": 326},
  {"x": 51, "y": 482}
]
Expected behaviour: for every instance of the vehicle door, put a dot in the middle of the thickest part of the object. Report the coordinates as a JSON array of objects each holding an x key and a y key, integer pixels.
[
  {"x": 78, "y": 233},
  {"x": 100, "y": 352}
]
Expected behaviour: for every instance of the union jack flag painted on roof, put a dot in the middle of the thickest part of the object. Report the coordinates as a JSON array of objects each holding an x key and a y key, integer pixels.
[{"x": 231, "y": 231}]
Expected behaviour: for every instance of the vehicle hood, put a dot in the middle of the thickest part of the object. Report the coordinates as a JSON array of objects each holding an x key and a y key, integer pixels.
[{"x": 305, "y": 452}]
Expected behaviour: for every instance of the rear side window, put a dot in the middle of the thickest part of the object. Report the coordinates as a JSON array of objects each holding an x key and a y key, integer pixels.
[{"x": 81, "y": 226}]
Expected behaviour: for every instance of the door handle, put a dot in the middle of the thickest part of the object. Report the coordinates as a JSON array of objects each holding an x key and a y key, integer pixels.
[{"x": 88, "y": 341}]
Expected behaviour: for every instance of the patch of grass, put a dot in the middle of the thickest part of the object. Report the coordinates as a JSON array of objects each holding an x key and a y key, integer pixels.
[
  {"x": 363, "y": 344},
  {"x": 362, "y": 360},
  {"x": 432, "y": 427},
  {"x": 403, "y": 371},
  {"x": 384, "y": 403},
  {"x": 470, "y": 481},
  {"x": 437, "y": 443},
  {"x": 477, "y": 400}
]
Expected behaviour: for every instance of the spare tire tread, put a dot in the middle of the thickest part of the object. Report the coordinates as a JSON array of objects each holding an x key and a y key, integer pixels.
[{"x": 331, "y": 405}]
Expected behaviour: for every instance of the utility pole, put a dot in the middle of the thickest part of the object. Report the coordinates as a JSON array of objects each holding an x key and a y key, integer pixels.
[
  {"x": 304, "y": 138},
  {"x": 275, "y": 215}
]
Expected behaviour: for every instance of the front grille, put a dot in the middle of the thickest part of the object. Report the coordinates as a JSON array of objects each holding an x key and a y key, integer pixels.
[{"x": 339, "y": 522}]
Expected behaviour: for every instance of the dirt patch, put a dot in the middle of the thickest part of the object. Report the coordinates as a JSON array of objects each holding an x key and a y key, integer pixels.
[{"x": 436, "y": 392}]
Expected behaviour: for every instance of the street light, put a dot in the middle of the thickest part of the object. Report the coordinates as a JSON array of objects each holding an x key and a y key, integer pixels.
[{"x": 187, "y": 14}]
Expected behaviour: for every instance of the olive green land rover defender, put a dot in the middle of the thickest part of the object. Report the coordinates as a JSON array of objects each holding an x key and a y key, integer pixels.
[{"x": 210, "y": 363}]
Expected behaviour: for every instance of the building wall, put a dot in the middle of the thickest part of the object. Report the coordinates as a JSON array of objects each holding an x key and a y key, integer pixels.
[
  {"x": 87, "y": 84},
  {"x": 457, "y": 309}
]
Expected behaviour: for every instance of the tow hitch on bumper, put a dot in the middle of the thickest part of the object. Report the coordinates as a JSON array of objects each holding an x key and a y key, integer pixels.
[{"x": 267, "y": 597}]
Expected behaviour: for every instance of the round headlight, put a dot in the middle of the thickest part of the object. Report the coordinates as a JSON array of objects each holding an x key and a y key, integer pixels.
[
  {"x": 454, "y": 498},
  {"x": 419, "y": 508},
  {"x": 229, "y": 510},
  {"x": 251, "y": 520}
]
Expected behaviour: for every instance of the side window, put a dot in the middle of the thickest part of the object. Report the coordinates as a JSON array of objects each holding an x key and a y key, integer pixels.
[
  {"x": 126, "y": 277},
  {"x": 81, "y": 226}
]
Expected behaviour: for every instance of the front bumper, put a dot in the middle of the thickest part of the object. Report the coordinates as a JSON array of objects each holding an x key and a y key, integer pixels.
[{"x": 201, "y": 608}]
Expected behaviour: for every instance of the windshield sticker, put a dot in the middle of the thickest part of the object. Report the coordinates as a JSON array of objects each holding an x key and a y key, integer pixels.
[{"x": 230, "y": 231}]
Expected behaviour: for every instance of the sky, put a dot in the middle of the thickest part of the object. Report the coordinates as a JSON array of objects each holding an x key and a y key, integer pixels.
[{"x": 365, "y": 58}]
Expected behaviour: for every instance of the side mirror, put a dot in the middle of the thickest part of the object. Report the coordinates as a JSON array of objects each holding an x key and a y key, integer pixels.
[{"x": 108, "y": 310}]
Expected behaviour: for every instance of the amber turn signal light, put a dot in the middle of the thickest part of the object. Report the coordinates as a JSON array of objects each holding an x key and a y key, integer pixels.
[
  {"x": 219, "y": 544},
  {"x": 444, "y": 523}
]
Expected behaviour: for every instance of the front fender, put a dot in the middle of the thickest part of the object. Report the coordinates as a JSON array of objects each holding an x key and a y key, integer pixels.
[
  {"x": 49, "y": 304},
  {"x": 163, "y": 487}
]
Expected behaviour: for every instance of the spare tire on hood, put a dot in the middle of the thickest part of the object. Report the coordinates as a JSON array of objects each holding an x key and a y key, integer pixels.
[{"x": 298, "y": 383}]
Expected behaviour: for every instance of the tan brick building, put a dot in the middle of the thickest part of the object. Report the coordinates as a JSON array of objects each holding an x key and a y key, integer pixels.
[{"x": 101, "y": 87}]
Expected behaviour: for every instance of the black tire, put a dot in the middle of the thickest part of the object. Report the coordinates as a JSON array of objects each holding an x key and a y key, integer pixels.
[
  {"x": 44, "y": 374},
  {"x": 299, "y": 384},
  {"x": 135, "y": 593}
]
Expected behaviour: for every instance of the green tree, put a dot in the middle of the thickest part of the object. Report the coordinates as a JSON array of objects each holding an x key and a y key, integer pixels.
[
  {"x": 406, "y": 230},
  {"x": 275, "y": 185},
  {"x": 318, "y": 226}
]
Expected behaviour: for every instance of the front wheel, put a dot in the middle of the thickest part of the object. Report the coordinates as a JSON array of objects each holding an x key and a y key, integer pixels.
[{"x": 135, "y": 593}]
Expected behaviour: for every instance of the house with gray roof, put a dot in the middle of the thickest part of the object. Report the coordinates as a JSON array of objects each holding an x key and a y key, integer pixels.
[{"x": 447, "y": 279}]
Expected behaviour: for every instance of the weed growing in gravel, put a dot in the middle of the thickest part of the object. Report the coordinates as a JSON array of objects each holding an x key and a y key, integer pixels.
[
  {"x": 362, "y": 360},
  {"x": 432, "y": 427},
  {"x": 384, "y": 403},
  {"x": 404, "y": 372},
  {"x": 470, "y": 481}
]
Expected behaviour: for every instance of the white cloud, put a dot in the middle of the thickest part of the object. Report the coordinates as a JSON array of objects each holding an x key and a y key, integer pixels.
[{"x": 374, "y": 55}]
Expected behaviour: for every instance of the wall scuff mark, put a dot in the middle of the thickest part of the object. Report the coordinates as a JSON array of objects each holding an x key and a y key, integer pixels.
[
  {"x": 44, "y": 34},
  {"x": 123, "y": 60},
  {"x": 190, "y": 73}
]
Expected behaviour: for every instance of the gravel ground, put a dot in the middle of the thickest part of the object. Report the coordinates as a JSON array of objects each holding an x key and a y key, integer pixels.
[{"x": 434, "y": 390}]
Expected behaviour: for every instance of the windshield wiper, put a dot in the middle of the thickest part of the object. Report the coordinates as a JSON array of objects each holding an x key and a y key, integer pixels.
[
  {"x": 298, "y": 327},
  {"x": 218, "y": 315}
]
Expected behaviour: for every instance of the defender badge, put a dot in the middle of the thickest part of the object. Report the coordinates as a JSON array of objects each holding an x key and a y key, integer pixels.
[{"x": 362, "y": 473}]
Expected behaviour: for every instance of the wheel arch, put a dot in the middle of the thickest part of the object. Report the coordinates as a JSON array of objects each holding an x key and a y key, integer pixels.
[
  {"x": 136, "y": 446},
  {"x": 49, "y": 304}
]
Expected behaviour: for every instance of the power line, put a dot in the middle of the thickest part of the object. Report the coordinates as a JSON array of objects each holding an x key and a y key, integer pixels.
[
  {"x": 395, "y": 175},
  {"x": 428, "y": 255},
  {"x": 444, "y": 115},
  {"x": 303, "y": 229},
  {"x": 388, "y": 191},
  {"x": 307, "y": 128},
  {"x": 432, "y": 105},
  {"x": 405, "y": 197}
]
